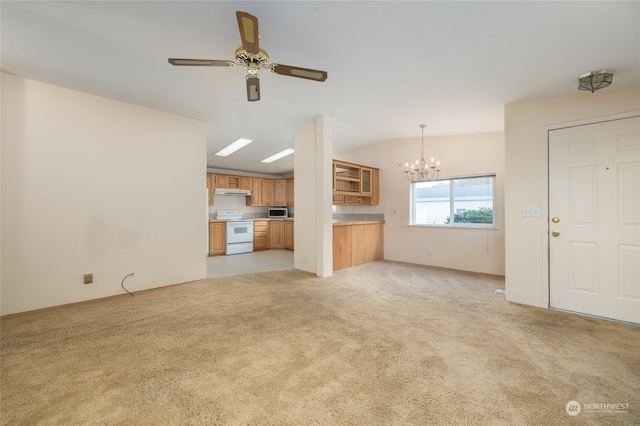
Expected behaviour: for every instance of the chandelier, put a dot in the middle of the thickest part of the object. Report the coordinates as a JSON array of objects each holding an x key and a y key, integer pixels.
[
  {"x": 423, "y": 171},
  {"x": 595, "y": 80}
]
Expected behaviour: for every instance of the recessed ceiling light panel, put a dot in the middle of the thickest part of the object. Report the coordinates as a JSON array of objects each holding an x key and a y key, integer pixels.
[
  {"x": 227, "y": 151},
  {"x": 278, "y": 156}
]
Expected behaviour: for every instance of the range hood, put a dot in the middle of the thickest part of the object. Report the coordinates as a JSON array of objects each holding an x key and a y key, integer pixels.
[{"x": 227, "y": 191}]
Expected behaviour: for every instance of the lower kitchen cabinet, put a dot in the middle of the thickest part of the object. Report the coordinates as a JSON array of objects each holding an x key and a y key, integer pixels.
[
  {"x": 357, "y": 243},
  {"x": 217, "y": 237},
  {"x": 288, "y": 235},
  {"x": 341, "y": 247},
  {"x": 276, "y": 234},
  {"x": 260, "y": 235}
]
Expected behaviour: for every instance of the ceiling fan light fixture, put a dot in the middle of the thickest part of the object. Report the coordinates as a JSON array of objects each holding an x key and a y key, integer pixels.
[
  {"x": 253, "y": 87},
  {"x": 594, "y": 80}
]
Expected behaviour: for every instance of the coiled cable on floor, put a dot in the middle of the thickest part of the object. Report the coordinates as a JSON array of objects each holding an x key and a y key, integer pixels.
[{"x": 122, "y": 284}]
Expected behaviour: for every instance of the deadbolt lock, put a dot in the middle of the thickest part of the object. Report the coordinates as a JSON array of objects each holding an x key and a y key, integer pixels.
[
  {"x": 555, "y": 233},
  {"x": 555, "y": 219}
]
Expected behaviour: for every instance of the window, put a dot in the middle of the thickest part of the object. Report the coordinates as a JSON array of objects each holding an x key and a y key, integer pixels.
[{"x": 459, "y": 201}]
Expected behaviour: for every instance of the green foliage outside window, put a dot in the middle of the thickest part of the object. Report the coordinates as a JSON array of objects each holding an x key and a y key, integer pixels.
[{"x": 480, "y": 215}]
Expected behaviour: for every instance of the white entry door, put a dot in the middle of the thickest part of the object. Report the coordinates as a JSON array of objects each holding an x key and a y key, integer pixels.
[{"x": 594, "y": 219}]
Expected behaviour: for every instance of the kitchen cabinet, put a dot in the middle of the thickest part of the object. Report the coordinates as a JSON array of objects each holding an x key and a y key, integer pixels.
[
  {"x": 232, "y": 182},
  {"x": 365, "y": 181},
  {"x": 267, "y": 191},
  {"x": 346, "y": 178},
  {"x": 375, "y": 186},
  {"x": 341, "y": 247},
  {"x": 355, "y": 243},
  {"x": 289, "y": 195},
  {"x": 276, "y": 234},
  {"x": 256, "y": 193},
  {"x": 280, "y": 192},
  {"x": 210, "y": 187},
  {"x": 288, "y": 234},
  {"x": 261, "y": 193},
  {"x": 217, "y": 237},
  {"x": 260, "y": 235},
  {"x": 355, "y": 184}
]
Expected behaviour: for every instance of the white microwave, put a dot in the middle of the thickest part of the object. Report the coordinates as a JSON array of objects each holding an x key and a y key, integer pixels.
[{"x": 278, "y": 212}]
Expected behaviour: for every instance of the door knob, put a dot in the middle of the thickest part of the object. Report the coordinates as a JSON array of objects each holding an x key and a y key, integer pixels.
[
  {"x": 555, "y": 233},
  {"x": 555, "y": 219}
]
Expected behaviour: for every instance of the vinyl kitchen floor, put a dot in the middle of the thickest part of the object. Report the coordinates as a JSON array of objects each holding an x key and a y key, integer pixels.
[{"x": 249, "y": 263}]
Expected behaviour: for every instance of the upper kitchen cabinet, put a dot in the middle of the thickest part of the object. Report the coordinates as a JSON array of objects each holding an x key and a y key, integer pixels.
[
  {"x": 267, "y": 192},
  {"x": 261, "y": 193},
  {"x": 256, "y": 193},
  {"x": 210, "y": 186},
  {"x": 280, "y": 192},
  {"x": 232, "y": 182},
  {"x": 375, "y": 186},
  {"x": 290, "y": 192},
  {"x": 355, "y": 184}
]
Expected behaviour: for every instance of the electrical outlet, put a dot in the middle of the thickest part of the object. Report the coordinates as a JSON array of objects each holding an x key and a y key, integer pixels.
[
  {"x": 304, "y": 258},
  {"x": 429, "y": 252},
  {"x": 88, "y": 278}
]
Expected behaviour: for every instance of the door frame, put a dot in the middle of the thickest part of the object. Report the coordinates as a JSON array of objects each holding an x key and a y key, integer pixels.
[{"x": 546, "y": 237}]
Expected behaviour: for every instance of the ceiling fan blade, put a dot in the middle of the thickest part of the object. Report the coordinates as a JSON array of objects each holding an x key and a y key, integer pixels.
[
  {"x": 201, "y": 62},
  {"x": 253, "y": 87},
  {"x": 299, "y": 72},
  {"x": 249, "y": 35}
]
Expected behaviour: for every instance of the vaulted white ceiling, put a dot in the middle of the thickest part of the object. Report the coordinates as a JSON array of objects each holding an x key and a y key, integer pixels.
[{"x": 452, "y": 65}]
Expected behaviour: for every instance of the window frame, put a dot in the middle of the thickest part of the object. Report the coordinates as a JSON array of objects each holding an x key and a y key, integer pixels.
[{"x": 451, "y": 201}]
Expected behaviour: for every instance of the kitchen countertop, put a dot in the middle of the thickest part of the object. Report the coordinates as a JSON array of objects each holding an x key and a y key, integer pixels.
[
  {"x": 342, "y": 222},
  {"x": 335, "y": 222}
]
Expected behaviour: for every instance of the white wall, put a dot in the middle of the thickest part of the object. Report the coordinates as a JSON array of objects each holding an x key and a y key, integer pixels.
[
  {"x": 526, "y": 126},
  {"x": 477, "y": 250},
  {"x": 313, "y": 232},
  {"x": 91, "y": 185}
]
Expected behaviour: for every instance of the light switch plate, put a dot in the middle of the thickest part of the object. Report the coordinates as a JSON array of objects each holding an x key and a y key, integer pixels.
[{"x": 530, "y": 211}]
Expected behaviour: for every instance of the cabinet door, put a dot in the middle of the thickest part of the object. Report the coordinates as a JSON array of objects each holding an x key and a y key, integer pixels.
[
  {"x": 290, "y": 188},
  {"x": 222, "y": 181},
  {"x": 245, "y": 182},
  {"x": 217, "y": 241},
  {"x": 375, "y": 186},
  {"x": 288, "y": 234},
  {"x": 365, "y": 181},
  {"x": 211, "y": 183},
  {"x": 367, "y": 244},
  {"x": 276, "y": 234},
  {"x": 256, "y": 193},
  {"x": 279, "y": 192},
  {"x": 267, "y": 191},
  {"x": 341, "y": 247}
]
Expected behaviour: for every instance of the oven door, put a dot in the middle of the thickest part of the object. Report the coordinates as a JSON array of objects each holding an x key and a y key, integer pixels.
[{"x": 239, "y": 231}]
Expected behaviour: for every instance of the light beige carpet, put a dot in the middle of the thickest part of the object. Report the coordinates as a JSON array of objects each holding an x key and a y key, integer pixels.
[{"x": 379, "y": 344}]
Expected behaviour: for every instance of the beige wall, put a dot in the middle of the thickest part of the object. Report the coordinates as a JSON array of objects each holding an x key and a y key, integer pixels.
[
  {"x": 312, "y": 191},
  {"x": 526, "y": 127},
  {"x": 91, "y": 185},
  {"x": 477, "y": 250}
]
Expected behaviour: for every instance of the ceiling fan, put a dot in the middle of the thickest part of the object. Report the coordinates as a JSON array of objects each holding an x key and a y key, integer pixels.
[{"x": 251, "y": 56}]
